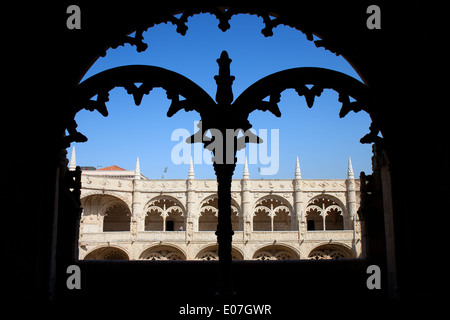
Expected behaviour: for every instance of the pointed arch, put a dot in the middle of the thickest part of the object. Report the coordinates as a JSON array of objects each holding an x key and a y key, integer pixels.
[{"x": 105, "y": 192}]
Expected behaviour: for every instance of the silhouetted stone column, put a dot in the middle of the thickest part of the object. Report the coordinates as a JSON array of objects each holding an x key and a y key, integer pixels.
[{"x": 224, "y": 173}]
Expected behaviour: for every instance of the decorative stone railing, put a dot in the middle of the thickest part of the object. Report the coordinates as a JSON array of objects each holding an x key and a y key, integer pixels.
[{"x": 210, "y": 236}]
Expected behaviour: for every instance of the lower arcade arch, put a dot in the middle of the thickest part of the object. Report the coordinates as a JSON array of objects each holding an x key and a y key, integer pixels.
[
  {"x": 331, "y": 252},
  {"x": 276, "y": 252},
  {"x": 162, "y": 252},
  {"x": 107, "y": 253},
  {"x": 211, "y": 253}
]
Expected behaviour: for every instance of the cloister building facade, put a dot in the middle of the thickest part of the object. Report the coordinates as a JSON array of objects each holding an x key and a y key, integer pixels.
[{"x": 129, "y": 217}]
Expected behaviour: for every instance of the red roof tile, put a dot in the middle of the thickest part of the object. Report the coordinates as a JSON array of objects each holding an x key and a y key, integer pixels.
[{"x": 112, "y": 168}]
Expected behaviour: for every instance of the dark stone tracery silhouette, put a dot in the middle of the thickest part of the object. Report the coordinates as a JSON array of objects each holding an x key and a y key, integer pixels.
[
  {"x": 398, "y": 63},
  {"x": 222, "y": 115}
]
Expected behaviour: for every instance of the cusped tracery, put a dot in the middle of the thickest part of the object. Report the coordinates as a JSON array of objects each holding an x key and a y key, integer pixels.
[
  {"x": 324, "y": 213},
  {"x": 164, "y": 214},
  {"x": 330, "y": 252},
  {"x": 272, "y": 214},
  {"x": 208, "y": 214}
]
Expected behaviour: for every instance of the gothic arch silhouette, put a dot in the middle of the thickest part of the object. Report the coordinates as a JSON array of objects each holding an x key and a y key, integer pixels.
[
  {"x": 222, "y": 114},
  {"x": 197, "y": 99},
  {"x": 390, "y": 62}
]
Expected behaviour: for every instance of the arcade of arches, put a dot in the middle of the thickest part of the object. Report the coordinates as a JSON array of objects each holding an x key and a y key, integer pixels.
[{"x": 129, "y": 217}]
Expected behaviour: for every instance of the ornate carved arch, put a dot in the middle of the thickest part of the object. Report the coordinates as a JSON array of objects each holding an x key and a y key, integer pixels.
[
  {"x": 169, "y": 197},
  {"x": 162, "y": 209},
  {"x": 330, "y": 197},
  {"x": 331, "y": 251},
  {"x": 197, "y": 99},
  {"x": 210, "y": 253},
  {"x": 276, "y": 252},
  {"x": 101, "y": 203},
  {"x": 112, "y": 252},
  {"x": 234, "y": 205},
  {"x": 128, "y": 77},
  {"x": 282, "y": 199},
  {"x": 272, "y": 17},
  {"x": 163, "y": 252},
  {"x": 99, "y": 193},
  {"x": 272, "y": 213},
  {"x": 325, "y": 212}
]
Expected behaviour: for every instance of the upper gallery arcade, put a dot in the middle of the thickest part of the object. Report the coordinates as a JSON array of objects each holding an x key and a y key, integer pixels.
[{"x": 127, "y": 216}]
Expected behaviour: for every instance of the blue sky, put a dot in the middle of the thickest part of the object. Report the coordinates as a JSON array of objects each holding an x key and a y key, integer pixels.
[{"x": 322, "y": 141}]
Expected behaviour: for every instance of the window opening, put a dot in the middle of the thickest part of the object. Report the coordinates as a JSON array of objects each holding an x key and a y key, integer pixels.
[{"x": 170, "y": 225}]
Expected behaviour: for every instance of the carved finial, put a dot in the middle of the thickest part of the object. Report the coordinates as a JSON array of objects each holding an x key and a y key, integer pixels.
[
  {"x": 245, "y": 174},
  {"x": 298, "y": 174},
  {"x": 350, "y": 174},
  {"x": 73, "y": 161},
  {"x": 191, "y": 174},
  {"x": 224, "y": 80},
  {"x": 137, "y": 171}
]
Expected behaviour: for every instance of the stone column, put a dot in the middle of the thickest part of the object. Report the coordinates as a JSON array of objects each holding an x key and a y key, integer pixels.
[
  {"x": 351, "y": 197},
  {"x": 137, "y": 219},
  {"x": 224, "y": 233},
  {"x": 191, "y": 215},
  {"x": 245, "y": 205},
  {"x": 298, "y": 202}
]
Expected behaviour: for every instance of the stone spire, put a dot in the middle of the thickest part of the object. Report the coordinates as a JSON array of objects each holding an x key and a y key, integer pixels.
[
  {"x": 298, "y": 174},
  {"x": 73, "y": 161},
  {"x": 191, "y": 174},
  {"x": 245, "y": 174},
  {"x": 351, "y": 190},
  {"x": 137, "y": 171},
  {"x": 350, "y": 174}
]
